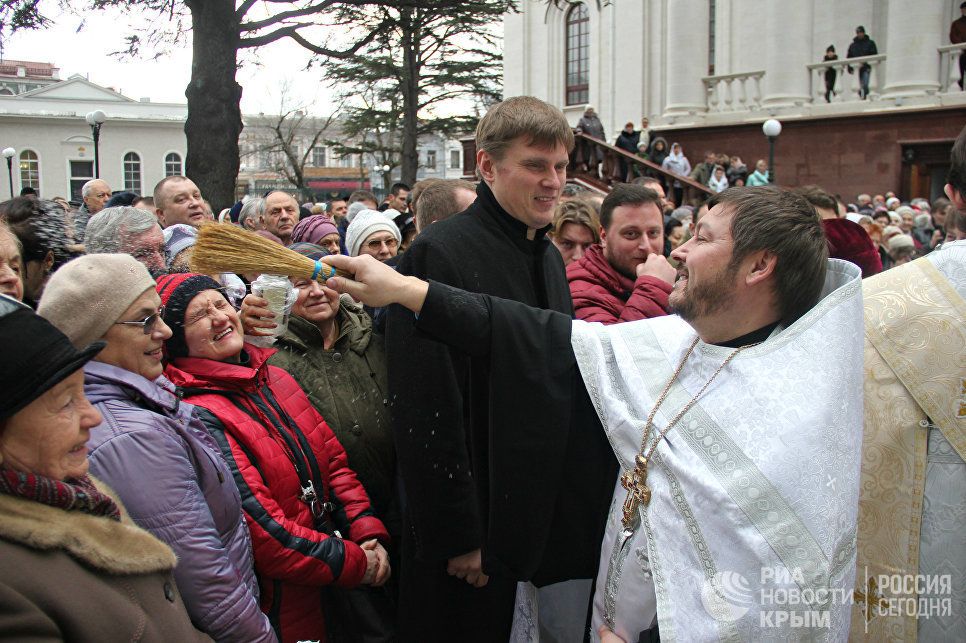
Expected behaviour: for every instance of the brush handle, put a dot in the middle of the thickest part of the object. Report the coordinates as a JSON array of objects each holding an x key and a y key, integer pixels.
[{"x": 324, "y": 271}]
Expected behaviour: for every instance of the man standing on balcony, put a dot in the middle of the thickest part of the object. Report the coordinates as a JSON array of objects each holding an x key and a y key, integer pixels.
[
  {"x": 957, "y": 35},
  {"x": 861, "y": 46}
]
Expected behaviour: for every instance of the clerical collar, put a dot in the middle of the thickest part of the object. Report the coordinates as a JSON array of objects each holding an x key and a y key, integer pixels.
[
  {"x": 518, "y": 230},
  {"x": 754, "y": 337}
]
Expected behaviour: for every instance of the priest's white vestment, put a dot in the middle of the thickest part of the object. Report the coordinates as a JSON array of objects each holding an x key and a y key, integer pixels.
[{"x": 750, "y": 532}]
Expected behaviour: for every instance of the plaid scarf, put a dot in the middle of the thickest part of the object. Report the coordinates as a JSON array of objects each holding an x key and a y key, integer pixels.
[{"x": 77, "y": 494}]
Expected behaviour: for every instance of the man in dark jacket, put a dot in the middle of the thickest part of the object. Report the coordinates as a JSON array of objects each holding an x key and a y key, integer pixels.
[
  {"x": 625, "y": 277},
  {"x": 703, "y": 171},
  {"x": 471, "y": 468},
  {"x": 862, "y": 45},
  {"x": 957, "y": 35}
]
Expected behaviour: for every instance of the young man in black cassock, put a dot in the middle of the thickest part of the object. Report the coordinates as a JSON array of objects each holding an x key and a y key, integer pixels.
[{"x": 489, "y": 486}]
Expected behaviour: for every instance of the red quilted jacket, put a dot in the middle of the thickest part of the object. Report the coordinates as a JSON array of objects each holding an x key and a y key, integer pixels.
[
  {"x": 249, "y": 409},
  {"x": 601, "y": 294}
]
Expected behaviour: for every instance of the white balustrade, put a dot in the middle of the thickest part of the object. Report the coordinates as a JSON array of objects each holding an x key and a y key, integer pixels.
[
  {"x": 949, "y": 67},
  {"x": 734, "y": 92},
  {"x": 847, "y": 86}
]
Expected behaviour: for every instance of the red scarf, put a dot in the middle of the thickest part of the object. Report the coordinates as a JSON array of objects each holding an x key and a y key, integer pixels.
[{"x": 77, "y": 494}]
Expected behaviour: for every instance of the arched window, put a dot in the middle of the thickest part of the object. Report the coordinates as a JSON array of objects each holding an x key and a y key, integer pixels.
[
  {"x": 132, "y": 172},
  {"x": 29, "y": 170},
  {"x": 578, "y": 55},
  {"x": 172, "y": 164}
]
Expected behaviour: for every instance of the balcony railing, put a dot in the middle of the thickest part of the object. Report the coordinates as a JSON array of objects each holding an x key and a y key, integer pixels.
[
  {"x": 846, "y": 87},
  {"x": 734, "y": 92},
  {"x": 949, "y": 67},
  {"x": 610, "y": 169}
]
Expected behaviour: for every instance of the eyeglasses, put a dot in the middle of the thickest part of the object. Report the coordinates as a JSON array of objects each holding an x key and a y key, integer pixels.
[
  {"x": 375, "y": 244},
  {"x": 148, "y": 323}
]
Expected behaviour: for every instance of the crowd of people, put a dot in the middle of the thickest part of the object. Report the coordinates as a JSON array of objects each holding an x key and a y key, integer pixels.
[{"x": 182, "y": 459}]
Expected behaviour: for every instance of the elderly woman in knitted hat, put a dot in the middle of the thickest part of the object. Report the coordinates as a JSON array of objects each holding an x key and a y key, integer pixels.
[
  {"x": 318, "y": 230},
  {"x": 373, "y": 233},
  {"x": 72, "y": 564},
  {"x": 332, "y": 351},
  {"x": 153, "y": 448},
  {"x": 309, "y": 517}
]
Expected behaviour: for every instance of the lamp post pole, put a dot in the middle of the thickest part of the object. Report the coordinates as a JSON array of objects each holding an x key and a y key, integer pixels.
[
  {"x": 9, "y": 153},
  {"x": 95, "y": 119},
  {"x": 771, "y": 129}
]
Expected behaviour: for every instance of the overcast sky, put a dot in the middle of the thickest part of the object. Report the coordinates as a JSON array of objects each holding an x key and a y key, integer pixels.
[{"x": 83, "y": 44}]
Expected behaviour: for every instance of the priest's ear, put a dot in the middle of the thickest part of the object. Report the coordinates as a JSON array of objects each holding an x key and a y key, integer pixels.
[
  {"x": 958, "y": 199},
  {"x": 758, "y": 267},
  {"x": 485, "y": 166}
]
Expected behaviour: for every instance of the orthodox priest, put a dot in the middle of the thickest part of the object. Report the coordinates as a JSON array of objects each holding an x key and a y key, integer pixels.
[
  {"x": 737, "y": 424},
  {"x": 912, "y": 512}
]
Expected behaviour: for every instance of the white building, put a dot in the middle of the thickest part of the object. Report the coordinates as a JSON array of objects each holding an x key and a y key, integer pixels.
[
  {"x": 141, "y": 142},
  {"x": 698, "y": 68}
]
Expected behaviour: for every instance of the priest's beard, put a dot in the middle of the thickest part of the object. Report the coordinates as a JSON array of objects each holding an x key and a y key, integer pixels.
[{"x": 705, "y": 298}]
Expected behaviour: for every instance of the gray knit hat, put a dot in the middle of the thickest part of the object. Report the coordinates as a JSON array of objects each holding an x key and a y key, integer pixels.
[
  {"x": 364, "y": 224},
  {"x": 87, "y": 295}
]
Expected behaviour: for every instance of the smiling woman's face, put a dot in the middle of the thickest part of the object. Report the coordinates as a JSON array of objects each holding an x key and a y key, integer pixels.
[
  {"x": 212, "y": 328},
  {"x": 48, "y": 436}
]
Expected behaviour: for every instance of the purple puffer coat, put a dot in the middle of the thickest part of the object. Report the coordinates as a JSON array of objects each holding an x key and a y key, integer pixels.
[{"x": 170, "y": 475}]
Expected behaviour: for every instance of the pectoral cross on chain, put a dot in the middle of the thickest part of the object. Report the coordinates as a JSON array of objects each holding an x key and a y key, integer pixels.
[{"x": 635, "y": 481}]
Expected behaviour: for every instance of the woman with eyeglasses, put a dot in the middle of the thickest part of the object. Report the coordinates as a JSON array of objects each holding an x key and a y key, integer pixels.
[
  {"x": 152, "y": 447},
  {"x": 310, "y": 518}
]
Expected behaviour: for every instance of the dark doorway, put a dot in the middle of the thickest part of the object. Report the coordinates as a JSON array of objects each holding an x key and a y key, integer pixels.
[{"x": 925, "y": 165}]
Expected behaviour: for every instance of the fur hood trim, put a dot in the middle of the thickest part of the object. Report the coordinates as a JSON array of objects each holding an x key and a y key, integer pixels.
[{"x": 108, "y": 545}]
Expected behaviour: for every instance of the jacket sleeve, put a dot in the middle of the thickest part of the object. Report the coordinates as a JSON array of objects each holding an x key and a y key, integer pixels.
[
  {"x": 649, "y": 299},
  {"x": 284, "y": 549},
  {"x": 158, "y": 485},
  {"x": 344, "y": 485},
  {"x": 426, "y": 399},
  {"x": 22, "y": 619},
  {"x": 594, "y": 303}
]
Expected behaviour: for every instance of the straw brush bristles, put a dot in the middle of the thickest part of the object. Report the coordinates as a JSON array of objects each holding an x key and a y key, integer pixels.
[{"x": 222, "y": 247}]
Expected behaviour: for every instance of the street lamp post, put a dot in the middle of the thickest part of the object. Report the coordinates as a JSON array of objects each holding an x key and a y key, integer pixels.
[
  {"x": 771, "y": 128},
  {"x": 385, "y": 178},
  {"x": 8, "y": 154},
  {"x": 95, "y": 119}
]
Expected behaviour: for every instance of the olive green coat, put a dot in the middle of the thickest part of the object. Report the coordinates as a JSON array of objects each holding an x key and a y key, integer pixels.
[
  {"x": 71, "y": 576},
  {"x": 347, "y": 385}
]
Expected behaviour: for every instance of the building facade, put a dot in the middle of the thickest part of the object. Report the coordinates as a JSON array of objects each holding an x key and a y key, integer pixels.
[
  {"x": 140, "y": 143},
  {"x": 709, "y": 72}
]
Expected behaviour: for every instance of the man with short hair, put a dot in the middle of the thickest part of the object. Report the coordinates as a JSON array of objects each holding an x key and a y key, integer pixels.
[
  {"x": 654, "y": 184},
  {"x": 251, "y": 213},
  {"x": 861, "y": 46},
  {"x": 178, "y": 200},
  {"x": 626, "y": 277},
  {"x": 440, "y": 199},
  {"x": 280, "y": 215},
  {"x": 396, "y": 199},
  {"x": 911, "y": 518},
  {"x": 846, "y": 239},
  {"x": 337, "y": 209},
  {"x": 703, "y": 172},
  {"x": 717, "y": 515},
  {"x": 364, "y": 196},
  {"x": 128, "y": 230},
  {"x": 469, "y": 534},
  {"x": 95, "y": 194},
  {"x": 11, "y": 263}
]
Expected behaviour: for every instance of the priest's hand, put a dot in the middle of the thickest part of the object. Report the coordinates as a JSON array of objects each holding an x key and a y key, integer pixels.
[
  {"x": 376, "y": 284},
  {"x": 256, "y": 317},
  {"x": 658, "y": 267},
  {"x": 469, "y": 567},
  {"x": 606, "y": 636}
]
